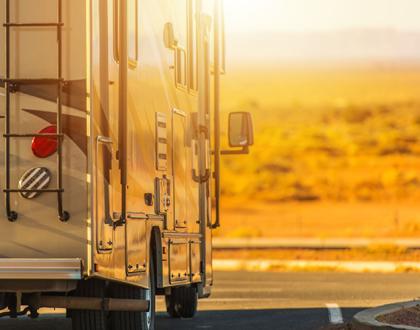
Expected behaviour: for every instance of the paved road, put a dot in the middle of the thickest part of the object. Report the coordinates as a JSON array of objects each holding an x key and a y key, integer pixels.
[{"x": 260, "y": 301}]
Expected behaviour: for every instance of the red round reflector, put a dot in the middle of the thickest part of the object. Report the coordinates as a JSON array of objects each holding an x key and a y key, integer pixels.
[{"x": 44, "y": 146}]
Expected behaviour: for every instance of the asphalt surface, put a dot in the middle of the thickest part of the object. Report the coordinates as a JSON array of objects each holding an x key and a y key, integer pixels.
[{"x": 271, "y": 301}]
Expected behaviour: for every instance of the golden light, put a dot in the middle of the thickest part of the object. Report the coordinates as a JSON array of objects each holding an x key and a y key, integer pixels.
[{"x": 304, "y": 15}]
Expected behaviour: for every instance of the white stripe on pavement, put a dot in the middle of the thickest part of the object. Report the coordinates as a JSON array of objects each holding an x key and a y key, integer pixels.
[{"x": 335, "y": 314}]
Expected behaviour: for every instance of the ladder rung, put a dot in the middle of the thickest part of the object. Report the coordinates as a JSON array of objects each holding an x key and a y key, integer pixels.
[
  {"x": 33, "y": 135},
  {"x": 33, "y": 190},
  {"x": 45, "y": 81},
  {"x": 32, "y": 24}
]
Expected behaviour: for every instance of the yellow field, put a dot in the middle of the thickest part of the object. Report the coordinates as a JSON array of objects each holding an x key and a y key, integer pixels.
[
  {"x": 319, "y": 219},
  {"x": 337, "y": 153}
]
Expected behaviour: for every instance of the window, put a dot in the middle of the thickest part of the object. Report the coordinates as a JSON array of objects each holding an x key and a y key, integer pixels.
[
  {"x": 178, "y": 18},
  {"x": 133, "y": 32},
  {"x": 178, "y": 10},
  {"x": 192, "y": 44},
  {"x": 184, "y": 17},
  {"x": 215, "y": 9},
  {"x": 208, "y": 8}
]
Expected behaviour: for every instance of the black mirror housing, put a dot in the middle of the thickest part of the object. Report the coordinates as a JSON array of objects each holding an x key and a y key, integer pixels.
[{"x": 241, "y": 130}]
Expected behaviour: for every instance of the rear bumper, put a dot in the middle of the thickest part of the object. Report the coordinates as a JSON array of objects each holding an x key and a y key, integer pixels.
[{"x": 40, "y": 269}]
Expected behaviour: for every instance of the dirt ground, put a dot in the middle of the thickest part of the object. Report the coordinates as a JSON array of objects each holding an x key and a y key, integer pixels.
[
  {"x": 344, "y": 327},
  {"x": 409, "y": 316}
]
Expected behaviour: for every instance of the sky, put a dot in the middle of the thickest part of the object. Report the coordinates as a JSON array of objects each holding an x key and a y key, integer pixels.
[
  {"x": 304, "y": 15},
  {"x": 276, "y": 30}
]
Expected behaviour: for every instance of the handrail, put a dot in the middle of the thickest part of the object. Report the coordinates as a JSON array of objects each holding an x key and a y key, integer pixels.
[
  {"x": 181, "y": 77},
  {"x": 221, "y": 21},
  {"x": 104, "y": 139},
  {"x": 123, "y": 106},
  {"x": 217, "y": 151}
]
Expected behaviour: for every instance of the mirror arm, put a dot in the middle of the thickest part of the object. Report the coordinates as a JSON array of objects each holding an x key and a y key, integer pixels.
[{"x": 243, "y": 151}]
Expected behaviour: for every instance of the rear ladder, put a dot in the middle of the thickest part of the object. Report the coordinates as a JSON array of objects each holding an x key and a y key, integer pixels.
[{"x": 12, "y": 86}]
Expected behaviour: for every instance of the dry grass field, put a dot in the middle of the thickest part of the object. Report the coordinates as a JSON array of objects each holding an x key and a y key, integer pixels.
[
  {"x": 337, "y": 152},
  {"x": 322, "y": 219},
  {"x": 375, "y": 253}
]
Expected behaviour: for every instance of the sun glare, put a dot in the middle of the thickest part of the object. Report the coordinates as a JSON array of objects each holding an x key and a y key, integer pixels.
[{"x": 303, "y": 15}]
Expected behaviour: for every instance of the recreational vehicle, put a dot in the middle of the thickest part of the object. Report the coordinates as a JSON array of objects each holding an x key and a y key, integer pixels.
[{"x": 110, "y": 157}]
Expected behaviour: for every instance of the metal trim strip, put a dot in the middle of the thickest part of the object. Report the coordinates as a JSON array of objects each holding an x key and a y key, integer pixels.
[
  {"x": 40, "y": 269},
  {"x": 181, "y": 235}
]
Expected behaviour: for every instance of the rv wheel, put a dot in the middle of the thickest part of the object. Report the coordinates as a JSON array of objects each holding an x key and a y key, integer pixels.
[
  {"x": 134, "y": 320},
  {"x": 182, "y": 302},
  {"x": 89, "y": 320}
]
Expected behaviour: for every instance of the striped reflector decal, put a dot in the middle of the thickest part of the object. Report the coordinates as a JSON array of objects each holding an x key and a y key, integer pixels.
[{"x": 36, "y": 178}]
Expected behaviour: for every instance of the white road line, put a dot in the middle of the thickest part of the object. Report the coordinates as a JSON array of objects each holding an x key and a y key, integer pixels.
[{"x": 335, "y": 314}]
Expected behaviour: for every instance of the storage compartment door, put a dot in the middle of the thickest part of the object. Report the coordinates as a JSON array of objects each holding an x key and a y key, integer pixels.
[
  {"x": 180, "y": 154},
  {"x": 195, "y": 261},
  {"x": 178, "y": 261},
  {"x": 136, "y": 243},
  {"x": 103, "y": 204}
]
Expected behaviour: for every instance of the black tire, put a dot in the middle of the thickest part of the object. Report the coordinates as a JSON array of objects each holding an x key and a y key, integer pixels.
[
  {"x": 170, "y": 307},
  {"x": 89, "y": 320},
  {"x": 134, "y": 320},
  {"x": 182, "y": 302}
]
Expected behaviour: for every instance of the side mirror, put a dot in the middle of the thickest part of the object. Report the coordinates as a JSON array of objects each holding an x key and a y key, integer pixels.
[
  {"x": 169, "y": 36},
  {"x": 241, "y": 130}
]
